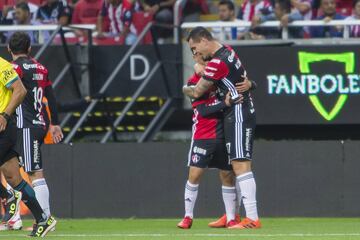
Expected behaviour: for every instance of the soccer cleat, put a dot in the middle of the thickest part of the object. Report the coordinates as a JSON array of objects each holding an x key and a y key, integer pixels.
[
  {"x": 186, "y": 223},
  {"x": 221, "y": 222},
  {"x": 231, "y": 223},
  {"x": 42, "y": 228},
  {"x": 15, "y": 224},
  {"x": 247, "y": 223},
  {"x": 12, "y": 207}
]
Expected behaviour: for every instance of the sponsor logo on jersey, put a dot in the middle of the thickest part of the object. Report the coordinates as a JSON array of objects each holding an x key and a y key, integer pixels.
[
  {"x": 38, "y": 77},
  {"x": 248, "y": 133},
  {"x": 27, "y": 66},
  {"x": 36, "y": 151},
  {"x": 199, "y": 150},
  {"x": 7, "y": 74}
]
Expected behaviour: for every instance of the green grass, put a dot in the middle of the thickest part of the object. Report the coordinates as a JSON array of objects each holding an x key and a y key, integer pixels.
[{"x": 163, "y": 229}]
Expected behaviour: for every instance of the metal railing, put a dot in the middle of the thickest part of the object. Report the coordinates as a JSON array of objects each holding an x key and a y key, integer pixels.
[
  {"x": 285, "y": 30},
  {"x": 179, "y": 5},
  {"x": 69, "y": 66},
  {"x": 157, "y": 121}
]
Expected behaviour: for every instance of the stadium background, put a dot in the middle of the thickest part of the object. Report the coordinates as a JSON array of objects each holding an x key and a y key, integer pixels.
[{"x": 305, "y": 165}]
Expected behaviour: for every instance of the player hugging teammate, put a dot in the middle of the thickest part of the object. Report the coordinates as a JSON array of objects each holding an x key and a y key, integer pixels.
[{"x": 208, "y": 146}]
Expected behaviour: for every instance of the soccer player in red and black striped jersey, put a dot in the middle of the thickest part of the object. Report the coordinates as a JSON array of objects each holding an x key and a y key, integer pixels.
[
  {"x": 208, "y": 150},
  {"x": 224, "y": 71},
  {"x": 32, "y": 119}
]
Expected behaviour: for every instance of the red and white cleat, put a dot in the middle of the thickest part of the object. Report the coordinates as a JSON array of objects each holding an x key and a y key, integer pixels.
[{"x": 186, "y": 223}]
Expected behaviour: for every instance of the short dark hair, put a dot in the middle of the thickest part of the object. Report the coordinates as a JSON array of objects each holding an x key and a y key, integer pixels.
[
  {"x": 19, "y": 43},
  {"x": 355, "y": 2},
  {"x": 284, "y": 4},
  {"x": 199, "y": 32},
  {"x": 24, "y": 6},
  {"x": 228, "y": 3}
]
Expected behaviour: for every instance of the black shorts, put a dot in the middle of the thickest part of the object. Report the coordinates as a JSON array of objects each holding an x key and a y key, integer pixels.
[
  {"x": 208, "y": 153},
  {"x": 239, "y": 129},
  {"x": 28, "y": 146},
  {"x": 8, "y": 143}
]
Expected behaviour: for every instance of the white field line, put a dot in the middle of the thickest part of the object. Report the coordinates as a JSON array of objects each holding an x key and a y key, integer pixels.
[{"x": 193, "y": 235}]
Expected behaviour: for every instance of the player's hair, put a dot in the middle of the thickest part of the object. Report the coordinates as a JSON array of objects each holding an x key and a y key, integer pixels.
[
  {"x": 284, "y": 4},
  {"x": 355, "y": 2},
  {"x": 228, "y": 3},
  {"x": 19, "y": 43},
  {"x": 23, "y": 6},
  {"x": 198, "y": 33}
]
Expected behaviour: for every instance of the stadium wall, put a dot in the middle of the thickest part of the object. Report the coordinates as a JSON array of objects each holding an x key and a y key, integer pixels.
[{"x": 294, "y": 178}]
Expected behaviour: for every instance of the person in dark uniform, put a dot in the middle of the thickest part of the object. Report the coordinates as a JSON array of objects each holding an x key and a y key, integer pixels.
[
  {"x": 12, "y": 93},
  {"x": 32, "y": 119},
  {"x": 224, "y": 71}
]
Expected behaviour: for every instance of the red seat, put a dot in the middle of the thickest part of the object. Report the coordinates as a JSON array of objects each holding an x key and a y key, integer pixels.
[
  {"x": 37, "y": 2},
  {"x": 2, "y": 4},
  {"x": 140, "y": 20}
]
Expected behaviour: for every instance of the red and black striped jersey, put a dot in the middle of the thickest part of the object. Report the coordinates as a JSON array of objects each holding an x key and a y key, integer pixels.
[
  {"x": 31, "y": 112},
  {"x": 207, "y": 117},
  {"x": 225, "y": 70}
]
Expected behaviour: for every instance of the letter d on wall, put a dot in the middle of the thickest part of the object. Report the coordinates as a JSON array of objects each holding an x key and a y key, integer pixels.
[{"x": 134, "y": 61}]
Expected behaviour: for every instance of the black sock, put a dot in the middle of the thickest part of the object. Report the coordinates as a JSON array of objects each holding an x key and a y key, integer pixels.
[
  {"x": 28, "y": 197},
  {"x": 4, "y": 193}
]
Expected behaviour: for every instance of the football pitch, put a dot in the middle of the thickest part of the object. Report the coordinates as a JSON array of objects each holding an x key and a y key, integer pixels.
[{"x": 163, "y": 229}]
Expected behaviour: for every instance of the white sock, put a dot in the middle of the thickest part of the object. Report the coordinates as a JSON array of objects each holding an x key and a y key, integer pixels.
[
  {"x": 248, "y": 194},
  {"x": 191, "y": 192},
  {"x": 238, "y": 199},
  {"x": 229, "y": 198},
  {"x": 42, "y": 194}
]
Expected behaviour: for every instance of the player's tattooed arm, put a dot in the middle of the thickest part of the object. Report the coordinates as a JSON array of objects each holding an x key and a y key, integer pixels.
[{"x": 199, "y": 89}]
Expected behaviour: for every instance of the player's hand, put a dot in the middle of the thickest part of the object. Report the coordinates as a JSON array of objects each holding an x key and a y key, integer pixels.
[
  {"x": 3, "y": 123},
  {"x": 199, "y": 69},
  {"x": 229, "y": 101},
  {"x": 243, "y": 86},
  {"x": 56, "y": 133}
]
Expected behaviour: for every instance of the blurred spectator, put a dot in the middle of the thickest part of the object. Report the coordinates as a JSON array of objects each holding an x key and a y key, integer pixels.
[
  {"x": 304, "y": 7},
  {"x": 226, "y": 11},
  {"x": 163, "y": 14},
  {"x": 355, "y": 30},
  {"x": 86, "y": 12},
  {"x": 328, "y": 8},
  {"x": 23, "y": 17},
  {"x": 193, "y": 9},
  {"x": 252, "y": 8},
  {"x": 282, "y": 9},
  {"x": 120, "y": 15},
  {"x": 54, "y": 12},
  {"x": 344, "y": 7},
  {"x": 9, "y": 11}
]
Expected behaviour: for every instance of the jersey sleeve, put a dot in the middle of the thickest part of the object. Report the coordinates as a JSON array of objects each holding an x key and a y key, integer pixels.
[
  {"x": 8, "y": 75},
  {"x": 193, "y": 80},
  {"x": 215, "y": 70}
]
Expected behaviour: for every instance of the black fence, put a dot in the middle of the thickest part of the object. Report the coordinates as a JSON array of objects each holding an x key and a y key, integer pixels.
[{"x": 294, "y": 178}]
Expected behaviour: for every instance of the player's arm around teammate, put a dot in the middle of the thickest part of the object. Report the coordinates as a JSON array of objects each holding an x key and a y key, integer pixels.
[{"x": 224, "y": 70}]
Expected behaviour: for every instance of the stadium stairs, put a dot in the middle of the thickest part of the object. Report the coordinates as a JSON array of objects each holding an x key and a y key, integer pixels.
[{"x": 107, "y": 110}]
